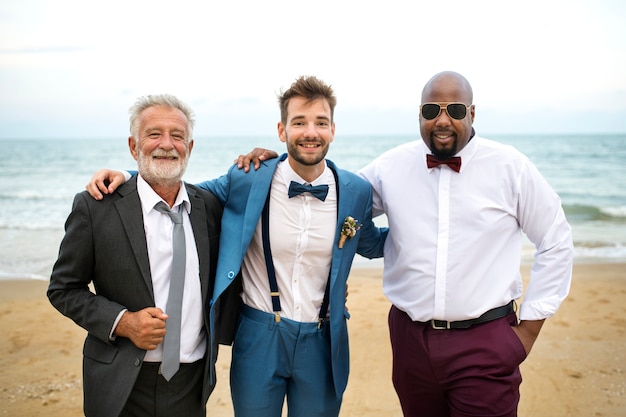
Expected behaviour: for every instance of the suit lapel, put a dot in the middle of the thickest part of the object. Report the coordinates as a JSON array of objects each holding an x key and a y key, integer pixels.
[
  {"x": 197, "y": 218},
  {"x": 343, "y": 210},
  {"x": 260, "y": 189},
  {"x": 129, "y": 210}
]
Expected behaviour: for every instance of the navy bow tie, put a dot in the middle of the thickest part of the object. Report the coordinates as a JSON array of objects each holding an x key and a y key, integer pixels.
[
  {"x": 454, "y": 163},
  {"x": 319, "y": 191}
]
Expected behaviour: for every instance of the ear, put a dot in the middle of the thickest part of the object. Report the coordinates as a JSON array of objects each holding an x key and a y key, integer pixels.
[
  {"x": 282, "y": 135},
  {"x": 132, "y": 145},
  {"x": 332, "y": 132},
  {"x": 472, "y": 112},
  {"x": 190, "y": 147}
]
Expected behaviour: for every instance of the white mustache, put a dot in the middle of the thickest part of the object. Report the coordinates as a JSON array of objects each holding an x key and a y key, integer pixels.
[{"x": 165, "y": 154}]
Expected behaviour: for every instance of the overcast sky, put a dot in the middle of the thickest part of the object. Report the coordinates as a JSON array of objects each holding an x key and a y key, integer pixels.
[{"x": 72, "y": 68}]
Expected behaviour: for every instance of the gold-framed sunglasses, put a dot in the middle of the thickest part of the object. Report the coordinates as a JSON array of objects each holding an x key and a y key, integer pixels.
[{"x": 457, "y": 111}]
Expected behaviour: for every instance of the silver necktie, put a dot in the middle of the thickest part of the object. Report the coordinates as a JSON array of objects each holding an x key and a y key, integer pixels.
[{"x": 171, "y": 343}]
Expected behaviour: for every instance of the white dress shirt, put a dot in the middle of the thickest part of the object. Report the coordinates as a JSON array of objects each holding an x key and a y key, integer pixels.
[
  {"x": 453, "y": 251},
  {"x": 158, "y": 227},
  {"x": 302, "y": 232}
]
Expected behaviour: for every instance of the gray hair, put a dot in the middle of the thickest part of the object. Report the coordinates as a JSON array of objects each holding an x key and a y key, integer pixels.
[{"x": 165, "y": 100}]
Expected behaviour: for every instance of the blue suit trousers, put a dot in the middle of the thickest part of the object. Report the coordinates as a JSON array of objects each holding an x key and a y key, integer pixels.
[{"x": 273, "y": 360}]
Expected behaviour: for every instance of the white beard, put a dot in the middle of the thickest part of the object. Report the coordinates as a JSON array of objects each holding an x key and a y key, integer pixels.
[{"x": 162, "y": 171}]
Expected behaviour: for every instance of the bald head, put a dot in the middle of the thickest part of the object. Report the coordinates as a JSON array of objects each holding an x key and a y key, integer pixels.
[{"x": 450, "y": 83}]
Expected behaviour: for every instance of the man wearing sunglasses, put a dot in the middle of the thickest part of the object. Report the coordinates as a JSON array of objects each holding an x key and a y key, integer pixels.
[{"x": 457, "y": 205}]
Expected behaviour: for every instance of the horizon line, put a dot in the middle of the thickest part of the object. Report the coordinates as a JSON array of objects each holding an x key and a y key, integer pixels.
[{"x": 244, "y": 135}]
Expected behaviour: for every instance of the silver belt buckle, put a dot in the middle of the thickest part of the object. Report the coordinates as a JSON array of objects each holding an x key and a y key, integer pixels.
[{"x": 434, "y": 324}]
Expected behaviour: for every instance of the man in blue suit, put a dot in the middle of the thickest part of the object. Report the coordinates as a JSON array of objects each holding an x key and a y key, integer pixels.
[{"x": 282, "y": 251}]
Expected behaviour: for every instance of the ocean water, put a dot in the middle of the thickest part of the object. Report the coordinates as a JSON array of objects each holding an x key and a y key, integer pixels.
[{"x": 39, "y": 177}]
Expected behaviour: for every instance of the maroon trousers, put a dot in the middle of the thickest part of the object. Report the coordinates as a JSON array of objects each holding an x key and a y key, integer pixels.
[{"x": 456, "y": 373}]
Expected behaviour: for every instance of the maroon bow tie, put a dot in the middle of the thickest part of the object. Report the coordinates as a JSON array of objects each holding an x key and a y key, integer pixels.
[{"x": 454, "y": 163}]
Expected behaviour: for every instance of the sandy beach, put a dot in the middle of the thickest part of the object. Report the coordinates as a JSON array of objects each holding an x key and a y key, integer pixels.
[{"x": 577, "y": 367}]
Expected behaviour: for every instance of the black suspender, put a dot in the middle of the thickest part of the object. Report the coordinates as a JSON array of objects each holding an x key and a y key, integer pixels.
[{"x": 269, "y": 263}]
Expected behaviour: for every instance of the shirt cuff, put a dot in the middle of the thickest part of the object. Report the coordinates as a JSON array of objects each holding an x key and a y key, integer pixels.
[
  {"x": 540, "y": 309},
  {"x": 112, "y": 335}
]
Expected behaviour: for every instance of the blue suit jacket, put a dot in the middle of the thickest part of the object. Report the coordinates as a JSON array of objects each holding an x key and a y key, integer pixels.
[{"x": 244, "y": 195}]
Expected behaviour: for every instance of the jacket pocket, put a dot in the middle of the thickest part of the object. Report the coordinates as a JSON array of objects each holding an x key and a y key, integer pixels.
[{"x": 99, "y": 351}]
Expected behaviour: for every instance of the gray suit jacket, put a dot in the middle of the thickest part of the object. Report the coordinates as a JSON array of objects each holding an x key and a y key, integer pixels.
[{"x": 105, "y": 245}]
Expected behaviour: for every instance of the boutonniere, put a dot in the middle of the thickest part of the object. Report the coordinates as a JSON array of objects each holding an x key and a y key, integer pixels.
[{"x": 348, "y": 230}]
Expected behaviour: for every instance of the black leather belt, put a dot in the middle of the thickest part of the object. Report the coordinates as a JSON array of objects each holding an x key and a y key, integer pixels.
[
  {"x": 493, "y": 314},
  {"x": 155, "y": 367}
]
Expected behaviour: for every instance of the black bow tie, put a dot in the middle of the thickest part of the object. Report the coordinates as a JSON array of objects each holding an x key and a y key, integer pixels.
[
  {"x": 319, "y": 191},
  {"x": 454, "y": 163}
]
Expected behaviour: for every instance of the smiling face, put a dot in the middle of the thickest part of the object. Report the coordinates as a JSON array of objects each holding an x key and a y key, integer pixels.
[
  {"x": 308, "y": 132},
  {"x": 444, "y": 135},
  {"x": 162, "y": 146}
]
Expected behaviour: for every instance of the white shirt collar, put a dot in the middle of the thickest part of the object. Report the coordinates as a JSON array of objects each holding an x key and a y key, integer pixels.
[
  {"x": 149, "y": 198},
  {"x": 288, "y": 174},
  {"x": 466, "y": 154}
]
